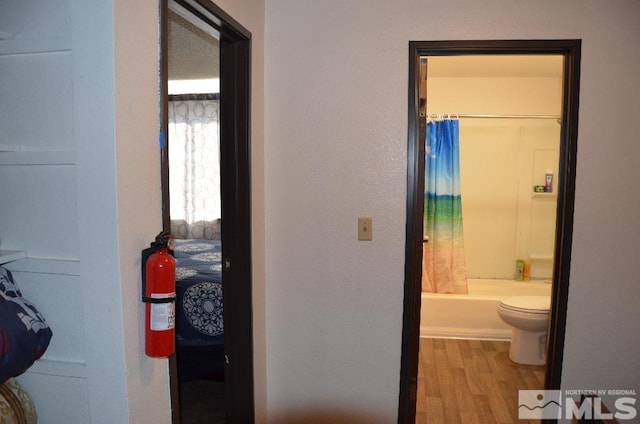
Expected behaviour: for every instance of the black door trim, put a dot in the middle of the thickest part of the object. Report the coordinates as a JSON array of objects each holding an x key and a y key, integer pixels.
[
  {"x": 571, "y": 50},
  {"x": 235, "y": 148}
]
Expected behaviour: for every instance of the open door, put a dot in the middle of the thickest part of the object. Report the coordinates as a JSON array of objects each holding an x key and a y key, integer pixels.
[{"x": 225, "y": 104}]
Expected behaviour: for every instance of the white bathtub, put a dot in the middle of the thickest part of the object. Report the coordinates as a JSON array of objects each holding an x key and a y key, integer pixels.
[{"x": 474, "y": 315}]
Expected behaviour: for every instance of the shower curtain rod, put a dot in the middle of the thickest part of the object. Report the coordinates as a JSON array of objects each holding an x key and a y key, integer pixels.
[{"x": 466, "y": 115}]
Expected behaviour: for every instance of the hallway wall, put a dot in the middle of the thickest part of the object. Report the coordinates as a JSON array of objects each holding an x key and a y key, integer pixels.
[{"x": 336, "y": 137}]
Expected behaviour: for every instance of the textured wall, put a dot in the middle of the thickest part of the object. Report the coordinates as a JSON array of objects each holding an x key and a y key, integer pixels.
[{"x": 336, "y": 114}]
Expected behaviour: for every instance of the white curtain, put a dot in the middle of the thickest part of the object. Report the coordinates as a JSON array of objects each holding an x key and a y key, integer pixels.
[{"x": 194, "y": 167}]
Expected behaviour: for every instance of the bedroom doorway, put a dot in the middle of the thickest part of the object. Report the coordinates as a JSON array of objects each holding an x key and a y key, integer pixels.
[
  {"x": 206, "y": 206},
  {"x": 570, "y": 51}
]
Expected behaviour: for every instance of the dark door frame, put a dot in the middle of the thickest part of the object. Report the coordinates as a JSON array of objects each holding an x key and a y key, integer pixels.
[
  {"x": 570, "y": 49},
  {"x": 235, "y": 177}
]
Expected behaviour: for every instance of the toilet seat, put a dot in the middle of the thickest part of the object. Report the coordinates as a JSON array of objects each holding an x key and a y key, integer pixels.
[{"x": 528, "y": 304}]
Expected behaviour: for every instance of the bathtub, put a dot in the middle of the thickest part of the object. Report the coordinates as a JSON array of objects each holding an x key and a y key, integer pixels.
[{"x": 474, "y": 315}]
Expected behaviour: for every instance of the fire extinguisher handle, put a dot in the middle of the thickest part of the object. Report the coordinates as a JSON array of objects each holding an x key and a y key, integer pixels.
[{"x": 163, "y": 239}]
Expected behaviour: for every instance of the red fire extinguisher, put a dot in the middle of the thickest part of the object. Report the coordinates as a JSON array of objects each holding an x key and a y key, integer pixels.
[{"x": 159, "y": 295}]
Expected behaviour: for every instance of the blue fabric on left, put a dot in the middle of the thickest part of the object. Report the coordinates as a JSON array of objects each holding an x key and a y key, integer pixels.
[{"x": 24, "y": 334}]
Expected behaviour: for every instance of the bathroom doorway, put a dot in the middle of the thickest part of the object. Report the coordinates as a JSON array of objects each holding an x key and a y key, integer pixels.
[{"x": 420, "y": 52}]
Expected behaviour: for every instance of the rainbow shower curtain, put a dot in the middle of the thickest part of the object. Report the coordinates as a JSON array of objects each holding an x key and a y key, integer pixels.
[{"x": 443, "y": 262}]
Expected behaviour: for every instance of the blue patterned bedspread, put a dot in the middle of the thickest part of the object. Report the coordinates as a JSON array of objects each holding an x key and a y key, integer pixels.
[{"x": 199, "y": 291}]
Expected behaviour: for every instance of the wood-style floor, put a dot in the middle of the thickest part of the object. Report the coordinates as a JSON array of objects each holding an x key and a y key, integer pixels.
[{"x": 471, "y": 381}]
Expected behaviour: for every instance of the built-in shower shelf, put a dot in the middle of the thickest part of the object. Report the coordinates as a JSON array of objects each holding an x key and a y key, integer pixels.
[
  {"x": 539, "y": 257},
  {"x": 542, "y": 195},
  {"x": 11, "y": 255}
]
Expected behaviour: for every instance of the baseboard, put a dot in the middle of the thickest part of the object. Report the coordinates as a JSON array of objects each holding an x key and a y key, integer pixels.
[{"x": 465, "y": 333}]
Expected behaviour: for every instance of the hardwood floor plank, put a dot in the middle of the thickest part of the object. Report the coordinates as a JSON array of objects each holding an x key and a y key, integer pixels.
[
  {"x": 471, "y": 381},
  {"x": 483, "y": 409},
  {"x": 453, "y": 353},
  {"x": 470, "y": 418},
  {"x": 488, "y": 345},
  {"x": 466, "y": 351},
  {"x": 446, "y": 388},
  {"x": 431, "y": 386},
  {"x": 479, "y": 360},
  {"x": 426, "y": 352},
  {"x": 495, "y": 366},
  {"x": 475, "y": 344},
  {"x": 440, "y": 357},
  {"x": 435, "y": 414},
  {"x": 462, "y": 391},
  {"x": 498, "y": 405},
  {"x": 532, "y": 376},
  {"x": 510, "y": 396},
  {"x": 421, "y": 397}
]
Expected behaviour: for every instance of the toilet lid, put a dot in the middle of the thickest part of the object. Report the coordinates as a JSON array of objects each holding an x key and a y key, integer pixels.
[{"x": 528, "y": 303}]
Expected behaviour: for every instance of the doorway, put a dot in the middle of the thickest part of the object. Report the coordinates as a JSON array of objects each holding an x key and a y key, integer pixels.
[
  {"x": 570, "y": 52},
  {"x": 206, "y": 202}
]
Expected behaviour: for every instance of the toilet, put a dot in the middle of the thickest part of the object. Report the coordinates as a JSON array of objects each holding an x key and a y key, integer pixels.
[{"x": 529, "y": 317}]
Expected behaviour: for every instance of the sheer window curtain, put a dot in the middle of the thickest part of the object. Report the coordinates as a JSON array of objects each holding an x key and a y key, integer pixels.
[{"x": 194, "y": 163}]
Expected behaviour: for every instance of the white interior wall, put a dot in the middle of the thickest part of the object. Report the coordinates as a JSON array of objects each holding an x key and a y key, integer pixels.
[
  {"x": 333, "y": 305},
  {"x": 494, "y": 95},
  {"x": 336, "y": 114},
  {"x": 80, "y": 87},
  {"x": 39, "y": 208},
  {"x": 138, "y": 198},
  {"x": 81, "y": 219}
]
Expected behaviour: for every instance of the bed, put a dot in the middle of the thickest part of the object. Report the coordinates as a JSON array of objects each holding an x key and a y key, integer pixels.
[{"x": 199, "y": 321}]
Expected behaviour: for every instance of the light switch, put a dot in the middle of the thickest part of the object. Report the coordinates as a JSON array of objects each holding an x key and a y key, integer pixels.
[{"x": 365, "y": 229}]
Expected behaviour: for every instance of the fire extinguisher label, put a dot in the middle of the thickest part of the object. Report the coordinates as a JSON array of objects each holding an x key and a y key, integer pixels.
[{"x": 163, "y": 315}]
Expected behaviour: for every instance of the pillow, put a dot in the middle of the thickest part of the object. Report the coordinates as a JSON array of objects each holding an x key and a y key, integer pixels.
[{"x": 24, "y": 334}]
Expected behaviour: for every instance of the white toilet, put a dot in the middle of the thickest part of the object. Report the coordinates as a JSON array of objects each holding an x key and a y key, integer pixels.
[{"x": 529, "y": 317}]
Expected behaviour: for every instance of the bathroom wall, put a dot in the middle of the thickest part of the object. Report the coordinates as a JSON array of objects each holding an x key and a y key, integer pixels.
[
  {"x": 504, "y": 219},
  {"x": 501, "y": 160}
]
